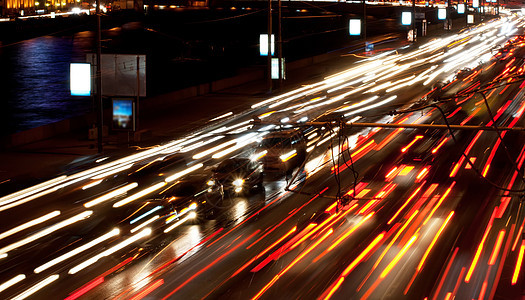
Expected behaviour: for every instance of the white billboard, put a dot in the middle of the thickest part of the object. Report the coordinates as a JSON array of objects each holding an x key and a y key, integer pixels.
[
  {"x": 122, "y": 74},
  {"x": 80, "y": 79}
]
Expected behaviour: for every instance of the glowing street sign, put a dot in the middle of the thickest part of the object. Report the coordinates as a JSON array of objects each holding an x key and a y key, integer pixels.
[
  {"x": 263, "y": 41},
  {"x": 406, "y": 18},
  {"x": 475, "y": 3},
  {"x": 442, "y": 13},
  {"x": 470, "y": 19},
  {"x": 461, "y": 8},
  {"x": 80, "y": 79},
  {"x": 355, "y": 27}
]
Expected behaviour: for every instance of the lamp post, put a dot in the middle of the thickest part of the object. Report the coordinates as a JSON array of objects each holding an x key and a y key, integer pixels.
[
  {"x": 98, "y": 78},
  {"x": 269, "y": 56}
]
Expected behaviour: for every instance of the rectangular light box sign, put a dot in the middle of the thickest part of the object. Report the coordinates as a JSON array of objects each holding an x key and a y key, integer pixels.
[
  {"x": 275, "y": 68},
  {"x": 406, "y": 18},
  {"x": 470, "y": 19},
  {"x": 475, "y": 3},
  {"x": 355, "y": 26},
  {"x": 442, "y": 13},
  {"x": 123, "y": 114},
  {"x": 263, "y": 42},
  {"x": 461, "y": 8},
  {"x": 80, "y": 79}
]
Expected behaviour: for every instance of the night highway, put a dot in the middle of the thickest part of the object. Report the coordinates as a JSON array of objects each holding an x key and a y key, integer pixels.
[{"x": 353, "y": 212}]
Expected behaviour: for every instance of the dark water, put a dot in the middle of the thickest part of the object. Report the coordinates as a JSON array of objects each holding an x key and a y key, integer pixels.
[{"x": 34, "y": 81}]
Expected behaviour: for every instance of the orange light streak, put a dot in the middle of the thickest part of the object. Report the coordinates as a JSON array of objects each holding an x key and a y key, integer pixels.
[
  {"x": 334, "y": 289},
  {"x": 434, "y": 241},
  {"x": 389, "y": 138},
  {"x": 148, "y": 290},
  {"x": 396, "y": 259},
  {"x": 356, "y": 153},
  {"x": 470, "y": 116},
  {"x": 264, "y": 252},
  {"x": 85, "y": 288},
  {"x": 289, "y": 157},
  {"x": 312, "y": 231},
  {"x": 405, "y": 204},
  {"x": 368, "y": 205},
  {"x": 362, "y": 193},
  {"x": 518, "y": 264},
  {"x": 518, "y": 237},
  {"x": 331, "y": 207},
  {"x": 439, "y": 202},
  {"x": 483, "y": 290},
  {"x": 439, "y": 145},
  {"x": 295, "y": 261},
  {"x": 365, "y": 252},
  {"x": 478, "y": 253},
  {"x": 497, "y": 246},
  {"x": 456, "y": 167},
  {"x": 411, "y": 143},
  {"x": 422, "y": 173},
  {"x": 349, "y": 232},
  {"x": 406, "y": 170},
  {"x": 391, "y": 172},
  {"x": 394, "y": 239},
  {"x": 210, "y": 265}
]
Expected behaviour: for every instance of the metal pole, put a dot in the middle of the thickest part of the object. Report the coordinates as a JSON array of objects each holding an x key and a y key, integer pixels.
[
  {"x": 364, "y": 21},
  {"x": 135, "y": 124},
  {"x": 280, "y": 46},
  {"x": 269, "y": 60},
  {"x": 98, "y": 77},
  {"x": 414, "y": 34},
  {"x": 424, "y": 126}
]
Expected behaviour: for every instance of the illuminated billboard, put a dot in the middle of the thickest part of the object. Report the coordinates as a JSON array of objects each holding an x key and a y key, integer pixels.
[
  {"x": 80, "y": 79},
  {"x": 263, "y": 42},
  {"x": 406, "y": 18},
  {"x": 355, "y": 27},
  {"x": 123, "y": 114}
]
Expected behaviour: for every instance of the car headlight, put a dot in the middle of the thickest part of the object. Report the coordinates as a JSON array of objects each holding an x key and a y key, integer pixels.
[
  {"x": 238, "y": 182},
  {"x": 210, "y": 182}
]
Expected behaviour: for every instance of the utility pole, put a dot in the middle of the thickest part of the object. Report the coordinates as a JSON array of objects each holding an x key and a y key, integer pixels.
[
  {"x": 280, "y": 46},
  {"x": 98, "y": 77},
  {"x": 364, "y": 21},
  {"x": 269, "y": 57},
  {"x": 414, "y": 34}
]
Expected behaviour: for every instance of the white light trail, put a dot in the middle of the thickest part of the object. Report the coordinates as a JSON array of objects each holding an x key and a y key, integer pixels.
[
  {"x": 112, "y": 194},
  {"x": 30, "y": 224},
  {"x": 35, "y": 288},
  {"x": 12, "y": 282},
  {"x": 47, "y": 231},
  {"x": 78, "y": 250},
  {"x": 145, "y": 232},
  {"x": 191, "y": 215},
  {"x": 140, "y": 194},
  {"x": 183, "y": 172}
]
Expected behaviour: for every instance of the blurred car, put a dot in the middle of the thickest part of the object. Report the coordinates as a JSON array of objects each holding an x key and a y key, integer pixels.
[
  {"x": 236, "y": 175},
  {"x": 282, "y": 150}
]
